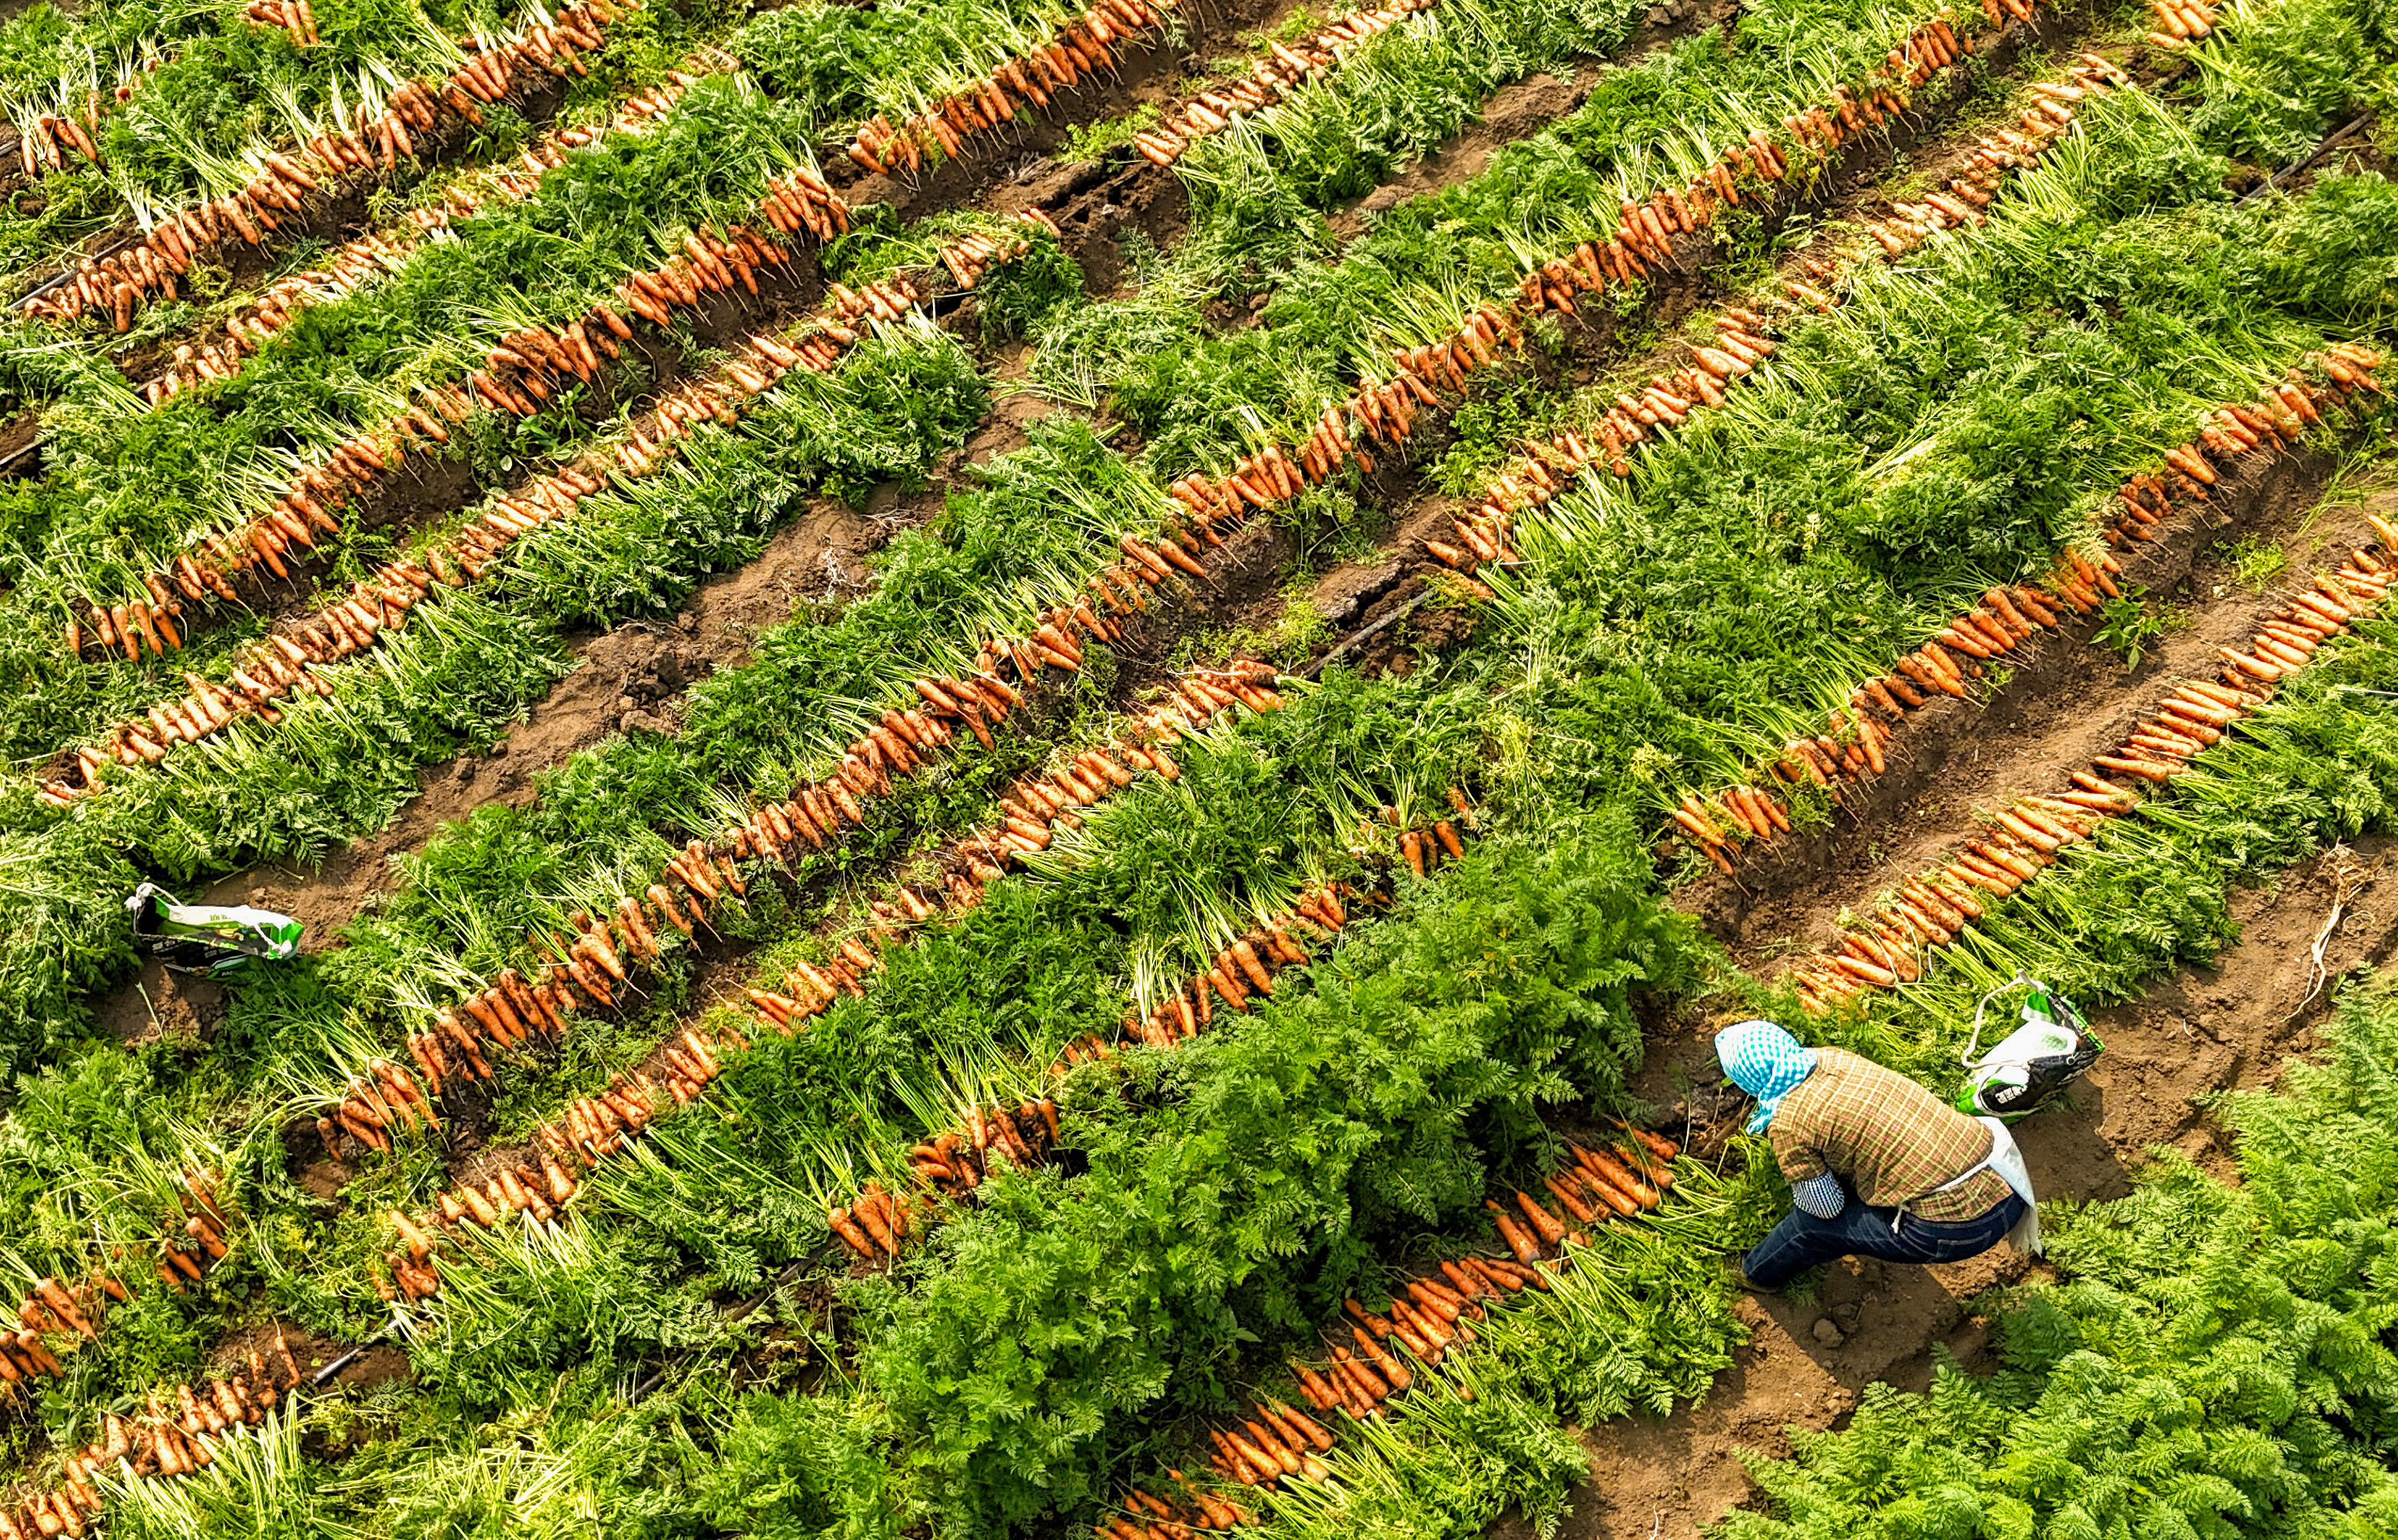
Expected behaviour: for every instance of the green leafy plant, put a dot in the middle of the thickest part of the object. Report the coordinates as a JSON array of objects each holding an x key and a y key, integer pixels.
[{"x": 2129, "y": 625}]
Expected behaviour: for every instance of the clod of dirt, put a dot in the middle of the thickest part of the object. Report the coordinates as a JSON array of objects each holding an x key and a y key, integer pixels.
[
  {"x": 1826, "y": 1333},
  {"x": 164, "y": 1004},
  {"x": 324, "y": 1180},
  {"x": 673, "y": 670}
]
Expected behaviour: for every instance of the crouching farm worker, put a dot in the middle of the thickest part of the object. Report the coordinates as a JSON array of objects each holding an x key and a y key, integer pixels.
[{"x": 1877, "y": 1167}]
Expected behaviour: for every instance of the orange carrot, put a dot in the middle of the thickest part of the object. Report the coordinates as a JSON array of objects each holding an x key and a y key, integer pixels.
[{"x": 1512, "y": 1233}]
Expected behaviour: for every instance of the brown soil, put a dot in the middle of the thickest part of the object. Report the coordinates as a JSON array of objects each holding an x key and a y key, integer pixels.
[
  {"x": 20, "y": 456},
  {"x": 1517, "y": 111},
  {"x": 2200, "y": 1030},
  {"x": 161, "y": 1004}
]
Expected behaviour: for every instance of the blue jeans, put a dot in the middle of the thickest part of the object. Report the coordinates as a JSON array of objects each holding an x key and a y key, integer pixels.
[{"x": 1802, "y": 1240}]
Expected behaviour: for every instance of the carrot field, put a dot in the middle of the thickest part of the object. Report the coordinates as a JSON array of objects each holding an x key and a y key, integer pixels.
[{"x": 1026, "y": 744}]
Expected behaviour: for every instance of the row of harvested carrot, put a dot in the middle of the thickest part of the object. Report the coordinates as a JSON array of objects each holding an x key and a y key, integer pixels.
[
  {"x": 585, "y": 972},
  {"x": 168, "y": 1441},
  {"x": 1078, "y": 48},
  {"x": 541, "y": 1179},
  {"x": 1281, "y": 71},
  {"x": 117, "y": 282},
  {"x": 45, "y": 140},
  {"x": 266, "y": 671},
  {"x": 596, "y": 1127},
  {"x": 525, "y": 368},
  {"x": 1857, "y": 742},
  {"x": 1544, "y": 470},
  {"x": 951, "y": 1165},
  {"x": 366, "y": 259},
  {"x": 1029, "y": 808},
  {"x": 1367, "y": 1361},
  {"x": 1889, "y": 948}
]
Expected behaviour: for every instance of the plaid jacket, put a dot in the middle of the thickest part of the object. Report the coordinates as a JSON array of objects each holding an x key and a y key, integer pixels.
[{"x": 1888, "y": 1137}]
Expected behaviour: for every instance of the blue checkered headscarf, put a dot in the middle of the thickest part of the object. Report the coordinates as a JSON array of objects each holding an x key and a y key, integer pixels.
[{"x": 1766, "y": 1062}]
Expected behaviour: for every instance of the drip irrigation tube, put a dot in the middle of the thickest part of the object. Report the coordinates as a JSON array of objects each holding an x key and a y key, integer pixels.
[
  {"x": 21, "y": 300},
  {"x": 2331, "y": 143}
]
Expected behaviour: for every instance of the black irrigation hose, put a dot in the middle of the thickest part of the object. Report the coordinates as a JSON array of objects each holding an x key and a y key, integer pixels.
[
  {"x": 2282, "y": 177},
  {"x": 21, "y": 300}
]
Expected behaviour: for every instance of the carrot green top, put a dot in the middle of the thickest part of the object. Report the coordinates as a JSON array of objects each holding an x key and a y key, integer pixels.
[{"x": 1890, "y": 1138}]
